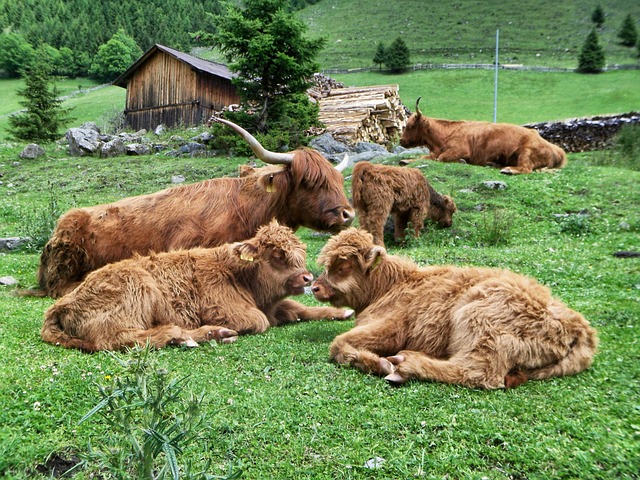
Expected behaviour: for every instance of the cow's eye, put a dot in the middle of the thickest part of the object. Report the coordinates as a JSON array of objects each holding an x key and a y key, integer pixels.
[
  {"x": 342, "y": 269},
  {"x": 278, "y": 256}
]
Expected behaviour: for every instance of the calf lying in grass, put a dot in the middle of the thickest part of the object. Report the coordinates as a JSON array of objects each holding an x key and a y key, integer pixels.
[
  {"x": 477, "y": 327},
  {"x": 188, "y": 296}
]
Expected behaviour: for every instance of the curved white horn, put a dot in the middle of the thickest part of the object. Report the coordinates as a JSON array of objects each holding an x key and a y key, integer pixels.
[
  {"x": 258, "y": 150},
  {"x": 343, "y": 164}
]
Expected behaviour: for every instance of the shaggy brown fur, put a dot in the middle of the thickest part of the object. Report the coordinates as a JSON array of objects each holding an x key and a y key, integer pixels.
[
  {"x": 477, "y": 327},
  {"x": 188, "y": 296},
  {"x": 382, "y": 190},
  {"x": 309, "y": 193},
  {"x": 513, "y": 148}
]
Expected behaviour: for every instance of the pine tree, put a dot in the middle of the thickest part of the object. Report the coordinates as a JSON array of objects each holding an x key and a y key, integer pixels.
[
  {"x": 597, "y": 16},
  {"x": 380, "y": 55},
  {"x": 266, "y": 46},
  {"x": 397, "y": 56},
  {"x": 628, "y": 34},
  {"x": 591, "y": 59},
  {"x": 43, "y": 114}
]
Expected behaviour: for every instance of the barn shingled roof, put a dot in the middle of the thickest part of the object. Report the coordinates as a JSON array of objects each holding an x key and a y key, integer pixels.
[{"x": 213, "y": 68}]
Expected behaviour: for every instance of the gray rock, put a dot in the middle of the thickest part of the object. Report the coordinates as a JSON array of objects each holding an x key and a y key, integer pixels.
[
  {"x": 178, "y": 179},
  {"x": 113, "y": 148},
  {"x": 328, "y": 145},
  {"x": 362, "y": 147},
  {"x": 399, "y": 150},
  {"x": 137, "y": 149},
  {"x": 11, "y": 243},
  {"x": 204, "y": 137},
  {"x": 8, "y": 281},
  {"x": 82, "y": 141},
  {"x": 159, "y": 130},
  {"x": 494, "y": 185},
  {"x": 31, "y": 151},
  {"x": 90, "y": 126}
]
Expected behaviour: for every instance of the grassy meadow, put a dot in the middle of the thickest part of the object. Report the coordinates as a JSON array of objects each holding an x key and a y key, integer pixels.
[
  {"x": 273, "y": 406},
  {"x": 541, "y": 32}
]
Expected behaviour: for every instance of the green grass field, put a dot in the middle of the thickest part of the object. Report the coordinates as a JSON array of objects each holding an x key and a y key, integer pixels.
[{"x": 273, "y": 404}]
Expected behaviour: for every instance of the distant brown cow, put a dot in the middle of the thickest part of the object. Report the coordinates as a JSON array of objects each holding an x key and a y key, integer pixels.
[
  {"x": 478, "y": 327},
  {"x": 382, "y": 190},
  {"x": 188, "y": 296},
  {"x": 513, "y": 148},
  {"x": 306, "y": 191}
]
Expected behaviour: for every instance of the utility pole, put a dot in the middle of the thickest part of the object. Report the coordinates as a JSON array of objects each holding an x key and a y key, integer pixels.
[{"x": 495, "y": 82}]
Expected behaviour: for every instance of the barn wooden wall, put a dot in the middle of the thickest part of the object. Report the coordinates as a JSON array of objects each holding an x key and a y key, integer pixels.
[{"x": 167, "y": 91}]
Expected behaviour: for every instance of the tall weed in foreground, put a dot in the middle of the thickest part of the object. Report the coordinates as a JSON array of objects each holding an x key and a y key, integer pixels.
[
  {"x": 150, "y": 421},
  {"x": 39, "y": 223},
  {"x": 624, "y": 151}
]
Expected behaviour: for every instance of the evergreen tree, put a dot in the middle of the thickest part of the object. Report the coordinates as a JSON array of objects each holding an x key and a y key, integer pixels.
[
  {"x": 43, "y": 115},
  {"x": 380, "y": 55},
  {"x": 114, "y": 57},
  {"x": 628, "y": 34},
  {"x": 266, "y": 47},
  {"x": 597, "y": 16},
  {"x": 591, "y": 59},
  {"x": 397, "y": 56}
]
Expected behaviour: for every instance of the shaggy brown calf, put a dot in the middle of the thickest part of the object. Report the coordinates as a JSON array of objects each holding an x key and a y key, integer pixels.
[
  {"x": 382, "y": 190},
  {"x": 188, "y": 296},
  {"x": 303, "y": 189},
  {"x": 477, "y": 327},
  {"x": 513, "y": 148}
]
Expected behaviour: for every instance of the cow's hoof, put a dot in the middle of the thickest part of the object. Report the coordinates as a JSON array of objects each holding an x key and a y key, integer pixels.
[
  {"x": 189, "y": 343},
  {"x": 386, "y": 367},
  {"x": 348, "y": 313},
  {"x": 507, "y": 171},
  {"x": 395, "y": 379},
  {"x": 396, "y": 359},
  {"x": 227, "y": 335}
]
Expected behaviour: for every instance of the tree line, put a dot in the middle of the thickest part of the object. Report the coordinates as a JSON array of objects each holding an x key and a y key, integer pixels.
[{"x": 73, "y": 31}]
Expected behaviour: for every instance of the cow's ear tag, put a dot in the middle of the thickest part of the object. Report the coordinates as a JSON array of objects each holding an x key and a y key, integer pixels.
[
  {"x": 247, "y": 257},
  {"x": 270, "y": 187},
  {"x": 376, "y": 262}
]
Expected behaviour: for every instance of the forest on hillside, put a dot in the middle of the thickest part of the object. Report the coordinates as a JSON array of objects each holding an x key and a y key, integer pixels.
[{"x": 84, "y": 25}]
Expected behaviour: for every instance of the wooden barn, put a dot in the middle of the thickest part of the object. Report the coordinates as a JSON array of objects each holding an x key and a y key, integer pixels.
[{"x": 165, "y": 86}]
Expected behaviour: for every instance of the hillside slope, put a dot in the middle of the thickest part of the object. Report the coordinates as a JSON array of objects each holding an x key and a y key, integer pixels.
[{"x": 532, "y": 32}]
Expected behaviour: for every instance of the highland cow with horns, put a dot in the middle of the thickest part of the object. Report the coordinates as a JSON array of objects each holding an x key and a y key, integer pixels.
[
  {"x": 305, "y": 191},
  {"x": 186, "y": 297},
  {"x": 478, "y": 327},
  {"x": 512, "y": 148}
]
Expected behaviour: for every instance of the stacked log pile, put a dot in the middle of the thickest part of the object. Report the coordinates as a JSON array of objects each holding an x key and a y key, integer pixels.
[
  {"x": 361, "y": 114},
  {"x": 582, "y": 135}
]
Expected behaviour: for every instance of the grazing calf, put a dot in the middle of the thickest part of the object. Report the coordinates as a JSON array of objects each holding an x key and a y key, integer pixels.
[
  {"x": 512, "y": 148},
  {"x": 477, "y": 327},
  {"x": 188, "y": 296},
  {"x": 382, "y": 190}
]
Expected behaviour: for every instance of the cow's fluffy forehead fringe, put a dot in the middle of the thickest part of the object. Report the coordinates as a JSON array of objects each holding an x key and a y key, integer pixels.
[
  {"x": 310, "y": 165},
  {"x": 348, "y": 243},
  {"x": 279, "y": 236}
]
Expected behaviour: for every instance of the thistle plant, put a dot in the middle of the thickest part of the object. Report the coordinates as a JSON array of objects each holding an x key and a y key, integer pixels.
[{"x": 150, "y": 423}]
